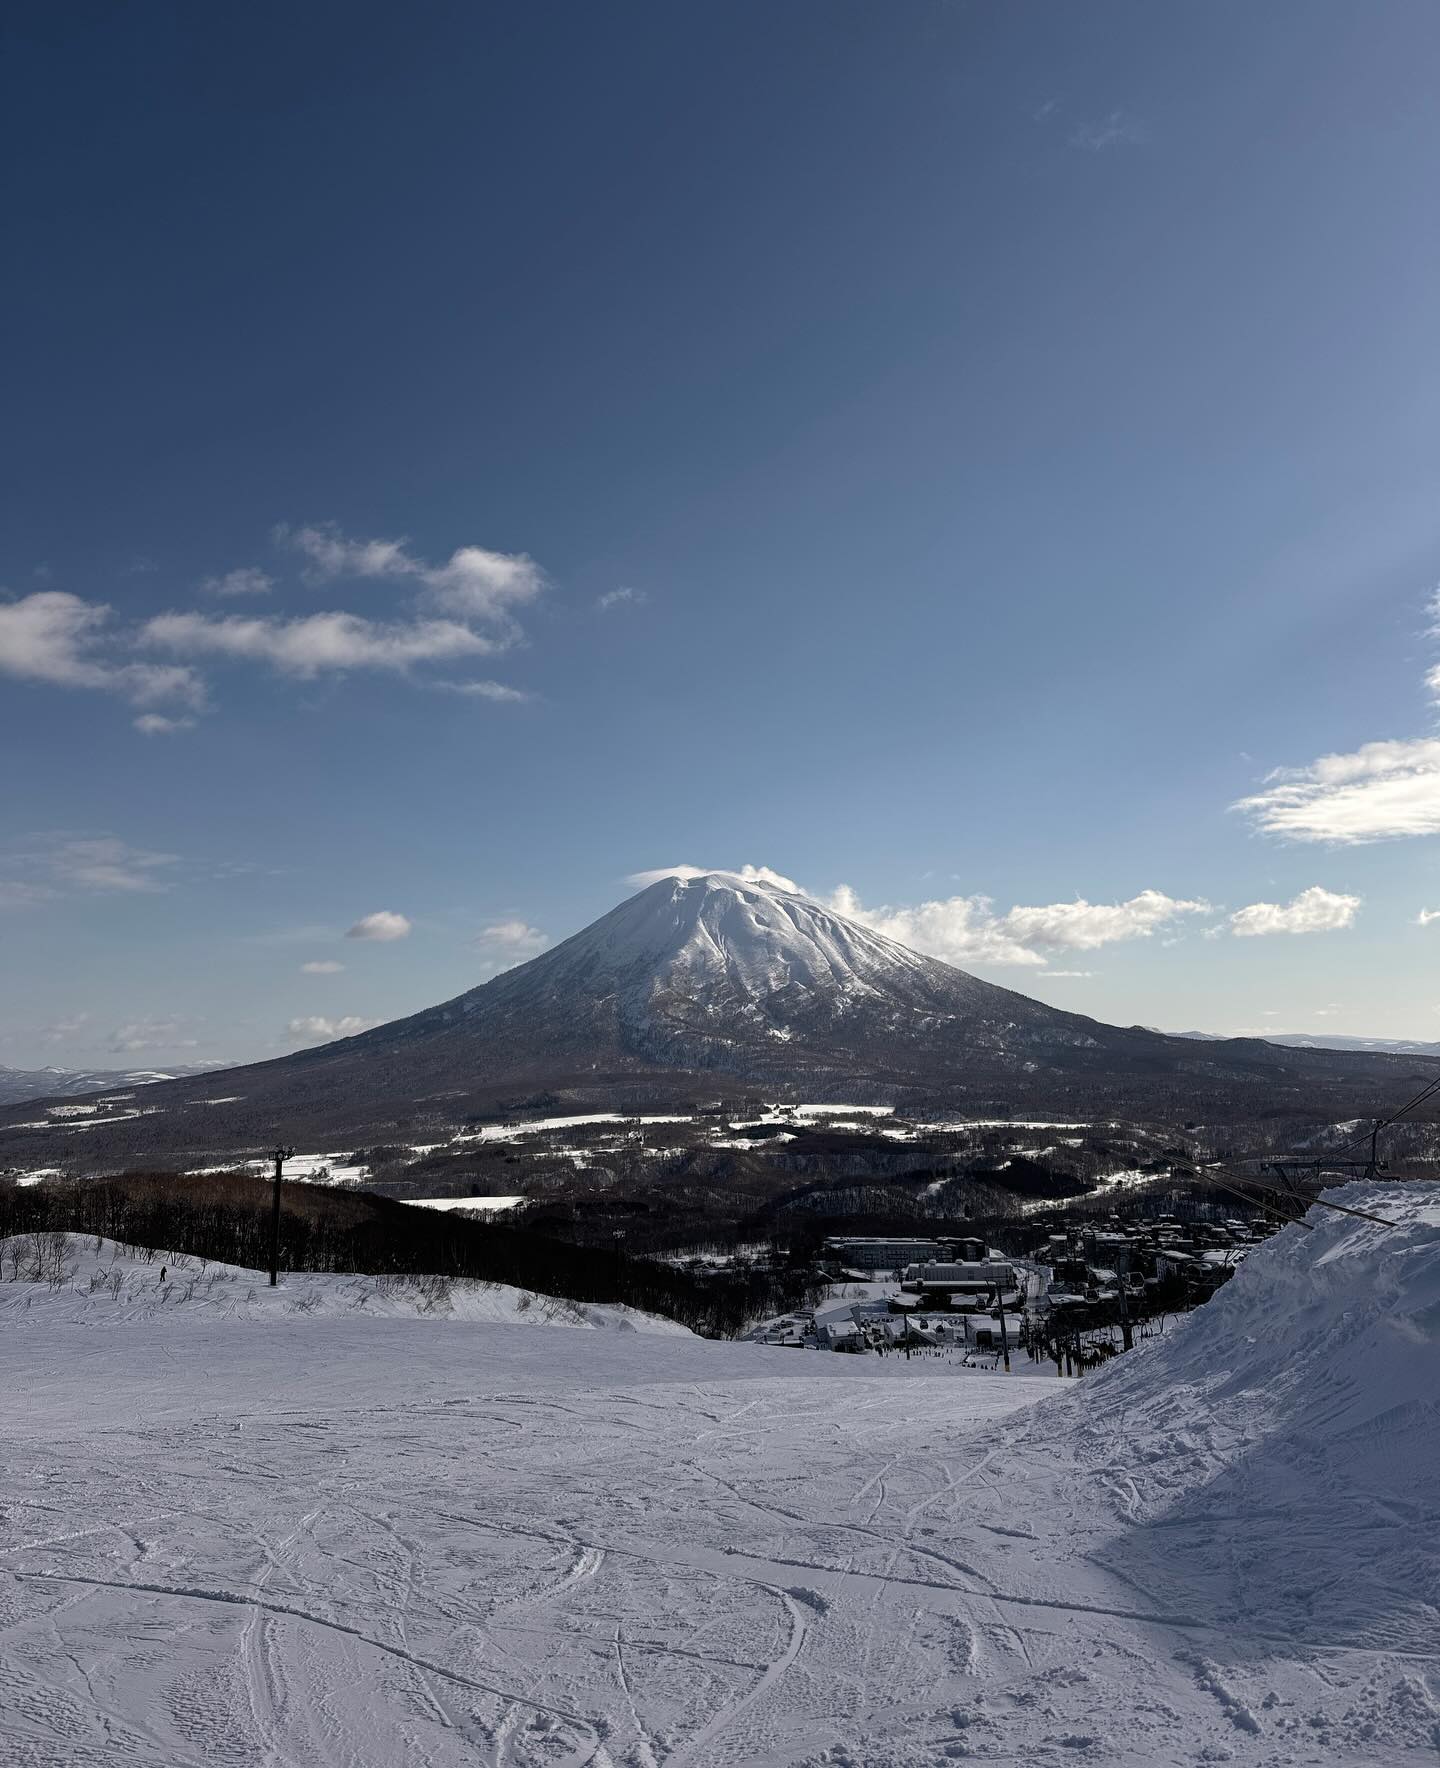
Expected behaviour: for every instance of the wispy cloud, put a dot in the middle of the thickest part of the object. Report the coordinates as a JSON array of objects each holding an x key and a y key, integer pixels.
[
  {"x": 486, "y": 690},
  {"x": 310, "y": 644},
  {"x": 761, "y": 874},
  {"x": 247, "y": 581},
  {"x": 50, "y": 865},
  {"x": 152, "y": 1034},
  {"x": 384, "y": 924},
  {"x": 1117, "y": 129},
  {"x": 322, "y": 967},
  {"x": 15, "y": 893},
  {"x": 1315, "y": 910},
  {"x": 503, "y": 944},
  {"x": 156, "y": 724},
  {"x": 317, "y": 1029},
  {"x": 108, "y": 864},
  {"x": 620, "y": 598},
  {"x": 1426, "y": 916}
]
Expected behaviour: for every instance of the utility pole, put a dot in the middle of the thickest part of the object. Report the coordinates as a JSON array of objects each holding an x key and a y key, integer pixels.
[
  {"x": 1374, "y": 1139},
  {"x": 1004, "y": 1336},
  {"x": 1127, "y": 1337},
  {"x": 279, "y": 1156}
]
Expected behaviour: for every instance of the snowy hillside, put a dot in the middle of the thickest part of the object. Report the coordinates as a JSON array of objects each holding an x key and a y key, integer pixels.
[
  {"x": 378, "y": 1542},
  {"x": 1300, "y": 1409},
  {"x": 74, "y": 1281}
]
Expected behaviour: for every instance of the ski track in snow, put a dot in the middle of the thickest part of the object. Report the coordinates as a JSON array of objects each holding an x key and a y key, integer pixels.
[{"x": 365, "y": 1542}]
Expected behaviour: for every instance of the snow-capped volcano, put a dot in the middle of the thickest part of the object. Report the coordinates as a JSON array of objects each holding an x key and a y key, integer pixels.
[
  {"x": 696, "y": 970},
  {"x": 724, "y": 938},
  {"x": 719, "y": 982}
]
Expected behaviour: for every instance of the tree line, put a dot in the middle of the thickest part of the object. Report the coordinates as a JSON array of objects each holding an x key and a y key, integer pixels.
[{"x": 226, "y": 1217}]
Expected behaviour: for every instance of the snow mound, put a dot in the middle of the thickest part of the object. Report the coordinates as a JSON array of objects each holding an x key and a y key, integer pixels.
[
  {"x": 1278, "y": 1453},
  {"x": 69, "y": 1279}
]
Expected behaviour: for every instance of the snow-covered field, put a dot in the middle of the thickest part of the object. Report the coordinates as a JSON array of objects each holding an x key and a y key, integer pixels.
[{"x": 400, "y": 1541}]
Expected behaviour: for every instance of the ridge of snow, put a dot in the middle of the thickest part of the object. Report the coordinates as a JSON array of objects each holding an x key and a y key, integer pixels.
[{"x": 1276, "y": 1451}]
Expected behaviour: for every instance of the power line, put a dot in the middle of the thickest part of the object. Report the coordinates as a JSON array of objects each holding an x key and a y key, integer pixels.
[{"x": 1427, "y": 1091}]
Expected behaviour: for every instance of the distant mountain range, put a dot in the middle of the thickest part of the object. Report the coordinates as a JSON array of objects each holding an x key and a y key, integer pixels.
[
  {"x": 18, "y": 1084},
  {"x": 708, "y": 987},
  {"x": 1309, "y": 1040}
]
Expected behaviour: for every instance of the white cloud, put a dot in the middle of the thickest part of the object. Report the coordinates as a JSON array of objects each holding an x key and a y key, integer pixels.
[
  {"x": 619, "y": 598},
  {"x": 249, "y": 580},
  {"x": 965, "y": 929},
  {"x": 155, "y": 724},
  {"x": 1066, "y": 975},
  {"x": 384, "y": 924},
  {"x": 65, "y": 1028},
  {"x": 486, "y": 690},
  {"x": 462, "y": 608},
  {"x": 58, "y": 638},
  {"x": 1381, "y": 791},
  {"x": 1082, "y": 926},
  {"x": 309, "y": 644},
  {"x": 474, "y": 583},
  {"x": 322, "y": 967},
  {"x": 317, "y": 1029},
  {"x": 478, "y": 584},
  {"x": 1313, "y": 911},
  {"x": 1426, "y": 916}
]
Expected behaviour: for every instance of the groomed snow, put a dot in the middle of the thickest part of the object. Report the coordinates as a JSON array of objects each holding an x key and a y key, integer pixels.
[{"x": 381, "y": 1542}]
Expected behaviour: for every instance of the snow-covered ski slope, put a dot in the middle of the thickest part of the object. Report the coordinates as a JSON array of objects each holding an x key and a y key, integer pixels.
[{"x": 367, "y": 1541}]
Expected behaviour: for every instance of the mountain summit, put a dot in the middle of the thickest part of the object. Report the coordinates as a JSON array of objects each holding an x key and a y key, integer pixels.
[{"x": 718, "y": 983}]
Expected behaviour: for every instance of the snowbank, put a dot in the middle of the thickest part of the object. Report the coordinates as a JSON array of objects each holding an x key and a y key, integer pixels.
[
  {"x": 1278, "y": 1452},
  {"x": 102, "y": 1285}
]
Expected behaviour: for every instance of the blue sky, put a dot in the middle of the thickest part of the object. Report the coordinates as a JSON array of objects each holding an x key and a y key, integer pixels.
[{"x": 949, "y": 454}]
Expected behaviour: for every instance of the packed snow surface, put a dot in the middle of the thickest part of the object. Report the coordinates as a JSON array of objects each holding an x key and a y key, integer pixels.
[{"x": 368, "y": 1541}]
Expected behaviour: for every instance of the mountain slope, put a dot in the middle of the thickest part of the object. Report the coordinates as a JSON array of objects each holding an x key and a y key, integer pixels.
[{"x": 714, "y": 984}]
